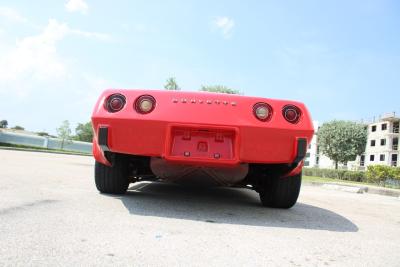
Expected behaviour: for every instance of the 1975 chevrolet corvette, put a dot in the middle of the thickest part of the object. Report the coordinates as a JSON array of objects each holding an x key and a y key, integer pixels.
[{"x": 201, "y": 138}]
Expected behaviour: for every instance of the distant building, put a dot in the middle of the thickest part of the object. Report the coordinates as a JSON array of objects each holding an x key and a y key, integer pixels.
[{"x": 383, "y": 142}]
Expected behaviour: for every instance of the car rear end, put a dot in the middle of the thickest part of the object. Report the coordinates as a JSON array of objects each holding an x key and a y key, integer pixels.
[
  {"x": 197, "y": 127},
  {"x": 174, "y": 129}
]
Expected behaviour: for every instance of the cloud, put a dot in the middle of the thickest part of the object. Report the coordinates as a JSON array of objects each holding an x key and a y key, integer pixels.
[
  {"x": 11, "y": 14},
  {"x": 77, "y": 6},
  {"x": 95, "y": 35},
  {"x": 35, "y": 56},
  {"x": 34, "y": 59},
  {"x": 225, "y": 25}
]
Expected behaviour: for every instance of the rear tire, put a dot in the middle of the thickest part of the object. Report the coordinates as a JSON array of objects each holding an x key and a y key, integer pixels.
[
  {"x": 112, "y": 180},
  {"x": 280, "y": 192}
]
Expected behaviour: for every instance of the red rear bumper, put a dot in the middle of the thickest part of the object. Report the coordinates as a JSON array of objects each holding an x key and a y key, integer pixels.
[{"x": 198, "y": 144}]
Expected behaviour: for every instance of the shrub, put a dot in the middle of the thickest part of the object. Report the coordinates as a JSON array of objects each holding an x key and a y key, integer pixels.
[
  {"x": 312, "y": 172},
  {"x": 357, "y": 176},
  {"x": 396, "y": 173},
  {"x": 17, "y": 127},
  {"x": 379, "y": 173},
  {"x": 42, "y": 134}
]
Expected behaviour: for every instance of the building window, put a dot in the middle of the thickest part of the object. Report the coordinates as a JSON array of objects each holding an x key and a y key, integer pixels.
[
  {"x": 306, "y": 163},
  {"x": 371, "y": 157},
  {"x": 362, "y": 161},
  {"x": 372, "y": 142},
  {"x": 309, "y": 146},
  {"x": 383, "y": 142},
  {"x": 395, "y": 144},
  {"x": 307, "y": 155},
  {"x": 384, "y": 126},
  {"x": 396, "y": 127},
  {"x": 373, "y": 128},
  {"x": 382, "y": 157},
  {"x": 394, "y": 160},
  {"x": 317, "y": 161}
]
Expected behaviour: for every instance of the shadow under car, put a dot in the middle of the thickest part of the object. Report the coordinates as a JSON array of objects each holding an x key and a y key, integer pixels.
[{"x": 226, "y": 205}]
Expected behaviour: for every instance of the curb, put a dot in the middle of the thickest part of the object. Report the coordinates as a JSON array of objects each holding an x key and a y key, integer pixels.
[
  {"x": 44, "y": 151},
  {"x": 357, "y": 189}
]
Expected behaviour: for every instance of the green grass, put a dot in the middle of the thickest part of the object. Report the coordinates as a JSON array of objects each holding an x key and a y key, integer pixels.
[
  {"x": 22, "y": 147},
  {"x": 331, "y": 180},
  {"x": 315, "y": 179}
]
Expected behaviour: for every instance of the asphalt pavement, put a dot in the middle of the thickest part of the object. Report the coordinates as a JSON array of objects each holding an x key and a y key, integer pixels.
[{"x": 52, "y": 215}]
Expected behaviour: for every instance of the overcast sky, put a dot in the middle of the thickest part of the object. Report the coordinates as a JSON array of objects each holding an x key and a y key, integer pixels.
[{"x": 341, "y": 58}]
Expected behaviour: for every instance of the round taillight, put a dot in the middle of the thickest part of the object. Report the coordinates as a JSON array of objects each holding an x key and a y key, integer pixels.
[
  {"x": 145, "y": 104},
  {"x": 115, "y": 103},
  {"x": 262, "y": 111},
  {"x": 291, "y": 113}
]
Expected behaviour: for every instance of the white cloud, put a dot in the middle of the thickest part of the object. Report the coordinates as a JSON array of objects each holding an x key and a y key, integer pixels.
[
  {"x": 45, "y": 85},
  {"x": 95, "y": 35},
  {"x": 226, "y": 25},
  {"x": 34, "y": 59},
  {"x": 11, "y": 14},
  {"x": 77, "y": 6},
  {"x": 35, "y": 56}
]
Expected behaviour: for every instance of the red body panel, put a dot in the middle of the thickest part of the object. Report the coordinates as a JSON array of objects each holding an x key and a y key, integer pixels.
[{"x": 202, "y": 124}]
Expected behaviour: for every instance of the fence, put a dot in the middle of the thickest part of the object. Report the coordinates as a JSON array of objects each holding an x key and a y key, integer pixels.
[{"x": 44, "y": 142}]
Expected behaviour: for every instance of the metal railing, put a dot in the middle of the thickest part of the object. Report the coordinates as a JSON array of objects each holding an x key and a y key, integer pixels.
[{"x": 43, "y": 142}]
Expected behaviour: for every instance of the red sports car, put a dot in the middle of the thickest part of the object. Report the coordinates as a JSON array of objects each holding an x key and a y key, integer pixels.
[{"x": 201, "y": 138}]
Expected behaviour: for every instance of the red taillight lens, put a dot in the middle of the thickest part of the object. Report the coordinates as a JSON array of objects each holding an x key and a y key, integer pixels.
[
  {"x": 115, "y": 103},
  {"x": 262, "y": 111},
  {"x": 291, "y": 113},
  {"x": 145, "y": 104}
]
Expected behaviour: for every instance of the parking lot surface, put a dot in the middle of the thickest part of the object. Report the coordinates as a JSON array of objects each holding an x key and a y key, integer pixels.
[{"x": 51, "y": 214}]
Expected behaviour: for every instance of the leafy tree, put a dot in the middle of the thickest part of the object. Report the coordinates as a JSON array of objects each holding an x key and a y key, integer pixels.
[
  {"x": 64, "y": 133},
  {"x": 17, "y": 127},
  {"x": 3, "y": 124},
  {"x": 342, "y": 141},
  {"x": 84, "y": 132},
  {"x": 219, "y": 89},
  {"x": 172, "y": 84}
]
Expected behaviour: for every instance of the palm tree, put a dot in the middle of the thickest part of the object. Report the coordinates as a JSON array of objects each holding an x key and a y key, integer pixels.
[{"x": 171, "y": 84}]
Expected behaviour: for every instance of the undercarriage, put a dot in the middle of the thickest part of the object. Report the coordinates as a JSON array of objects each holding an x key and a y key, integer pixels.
[{"x": 269, "y": 180}]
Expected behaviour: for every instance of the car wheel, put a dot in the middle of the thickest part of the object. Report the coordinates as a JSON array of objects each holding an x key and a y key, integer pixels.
[
  {"x": 280, "y": 192},
  {"x": 112, "y": 180}
]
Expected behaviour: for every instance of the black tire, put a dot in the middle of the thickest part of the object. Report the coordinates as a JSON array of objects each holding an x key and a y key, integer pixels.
[
  {"x": 112, "y": 180},
  {"x": 280, "y": 192}
]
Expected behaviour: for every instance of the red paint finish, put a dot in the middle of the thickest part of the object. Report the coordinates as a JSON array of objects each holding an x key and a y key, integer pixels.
[{"x": 213, "y": 129}]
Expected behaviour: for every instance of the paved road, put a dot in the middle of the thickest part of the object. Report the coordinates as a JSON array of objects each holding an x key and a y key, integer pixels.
[{"x": 51, "y": 214}]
